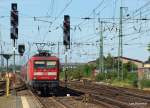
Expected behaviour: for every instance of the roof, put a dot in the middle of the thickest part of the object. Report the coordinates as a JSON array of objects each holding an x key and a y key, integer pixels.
[
  {"x": 131, "y": 59},
  {"x": 147, "y": 62},
  {"x": 122, "y": 58},
  {"x": 44, "y": 58},
  {"x": 94, "y": 61}
]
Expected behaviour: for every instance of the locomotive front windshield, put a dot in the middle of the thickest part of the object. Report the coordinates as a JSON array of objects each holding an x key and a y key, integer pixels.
[{"x": 44, "y": 64}]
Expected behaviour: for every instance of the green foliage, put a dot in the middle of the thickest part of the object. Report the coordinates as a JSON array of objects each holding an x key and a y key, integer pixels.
[
  {"x": 77, "y": 75},
  {"x": 145, "y": 83},
  {"x": 108, "y": 62},
  {"x": 111, "y": 77},
  {"x": 88, "y": 69},
  {"x": 129, "y": 66},
  {"x": 132, "y": 76},
  {"x": 148, "y": 47},
  {"x": 148, "y": 60},
  {"x": 133, "y": 79},
  {"x": 104, "y": 76},
  {"x": 110, "y": 74},
  {"x": 79, "y": 72},
  {"x": 100, "y": 77},
  {"x": 62, "y": 75}
]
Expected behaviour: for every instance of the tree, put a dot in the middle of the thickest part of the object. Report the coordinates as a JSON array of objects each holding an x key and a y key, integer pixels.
[
  {"x": 129, "y": 66},
  {"x": 148, "y": 61},
  {"x": 77, "y": 73},
  {"x": 148, "y": 47},
  {"x": 108, "y": 63}
]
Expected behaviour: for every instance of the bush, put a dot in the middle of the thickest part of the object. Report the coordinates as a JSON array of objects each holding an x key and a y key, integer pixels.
[
  {"x": 145, "y": 83},
  {"x": 77, "y": 75},
  {"x": 100, "y": 77},
  {"x": 62, "y": 75},
  {"x": 135, "y": 83},
  {"x": 132, "y": 78}
]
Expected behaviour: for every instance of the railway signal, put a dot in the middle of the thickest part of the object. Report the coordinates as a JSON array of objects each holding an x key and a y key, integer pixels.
[
  {"x": 14, "y": 33},
  {"x": 21, "y": 49},
  {"x": 14, "y": 18},
  {"x": 66, "y": 31},
  {"x": 14, "y": 21}
]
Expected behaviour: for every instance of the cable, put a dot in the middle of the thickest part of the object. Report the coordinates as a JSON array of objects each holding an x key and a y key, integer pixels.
[
  {"x": 145, "y": 5},
  {"x": 51, "y": 8},
  {"x": 67, "y": 5},
  {"x": 100, "y": 4}
]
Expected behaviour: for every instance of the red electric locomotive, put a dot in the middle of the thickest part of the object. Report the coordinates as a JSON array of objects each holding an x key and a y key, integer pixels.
[{"x": 42, "y": 73}]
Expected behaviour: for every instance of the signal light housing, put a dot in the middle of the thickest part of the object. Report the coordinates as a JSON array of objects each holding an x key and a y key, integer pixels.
[
  {"x": 21, "y": 49},
  {"x": 14, "y": 33},
  {"x": 14, "y": 6},
  {"x": 14, "y": 18},
  {"x": 14, "y": 21},
  {"x": 66, "y": 31}
]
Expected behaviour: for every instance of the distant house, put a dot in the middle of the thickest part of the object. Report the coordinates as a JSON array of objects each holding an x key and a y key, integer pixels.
[
  {"x": 139, "y": 63},
  {"x": 147, "y": 64},
  {"x": 144, "y": 72},
  {"x": 92, "y": 62}
]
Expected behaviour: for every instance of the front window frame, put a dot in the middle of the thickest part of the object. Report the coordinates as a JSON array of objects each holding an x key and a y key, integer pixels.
[{"x": 45, "y": 64}]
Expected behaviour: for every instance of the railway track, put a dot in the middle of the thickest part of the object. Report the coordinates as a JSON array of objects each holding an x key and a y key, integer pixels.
[
  {"x": 57, "y": 102},
  {"x": 2, "y": 84},
  {"x": 17, "y": 88},
  {"x": 46, "y": 102},
  {"x": 113, "y": 96}
]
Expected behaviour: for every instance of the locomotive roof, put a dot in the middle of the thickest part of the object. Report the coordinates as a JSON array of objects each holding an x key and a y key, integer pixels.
[
  {"x": 44, "y": 55},
  {"x": 44, "y": 58}
]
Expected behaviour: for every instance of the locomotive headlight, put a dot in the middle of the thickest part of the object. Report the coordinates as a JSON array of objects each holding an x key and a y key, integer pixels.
[{"x": 34, "y": 78}]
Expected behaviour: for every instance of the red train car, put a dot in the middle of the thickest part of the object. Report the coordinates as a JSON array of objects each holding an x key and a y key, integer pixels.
[{"x": 41, "y": 72}]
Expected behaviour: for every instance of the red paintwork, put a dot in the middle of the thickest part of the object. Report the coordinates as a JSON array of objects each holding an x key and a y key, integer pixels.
[{"x": 28, "y": 70}]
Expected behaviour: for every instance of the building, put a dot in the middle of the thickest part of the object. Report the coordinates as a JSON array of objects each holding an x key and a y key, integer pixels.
[
  {"x": 138, "y": 63},
  {"x": 147, "y": 64},
  {"x": 144, "y": 72}
]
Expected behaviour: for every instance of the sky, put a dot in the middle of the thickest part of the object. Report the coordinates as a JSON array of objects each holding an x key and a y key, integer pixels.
[{"x": 42, "y": 20}]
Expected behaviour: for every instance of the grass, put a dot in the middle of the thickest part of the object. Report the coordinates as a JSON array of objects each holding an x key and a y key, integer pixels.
[{"x": 120, "y": 83}]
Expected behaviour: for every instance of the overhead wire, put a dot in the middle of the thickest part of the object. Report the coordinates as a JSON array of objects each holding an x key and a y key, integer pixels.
[
  {"x": 60, "y": 13},
  {"x": 51, "y": 8},
  {"x": 99, "y": 5}
]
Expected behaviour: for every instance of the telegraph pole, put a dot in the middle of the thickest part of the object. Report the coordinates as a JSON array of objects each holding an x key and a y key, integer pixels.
[
  {"x": 1, "y": 56},
  {"x": 66, "y": 70},
  {"x": 58, "y": 49},
  {"x": 29, "y": 50},
  {"x": 2, "y": 60},
  {"x": 120, "y": 48},
  {"x": 14, "y": 45},
  {"x": 101, "y": 61}
]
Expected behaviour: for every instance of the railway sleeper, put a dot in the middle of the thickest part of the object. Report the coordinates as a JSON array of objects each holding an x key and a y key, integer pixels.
[{"x": 87, "y": 98}]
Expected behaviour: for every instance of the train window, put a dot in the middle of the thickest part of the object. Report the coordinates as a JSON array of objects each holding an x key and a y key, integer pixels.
[
  {"x": 51, "y": 64},
  {"x": 39, "y": 64}
]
